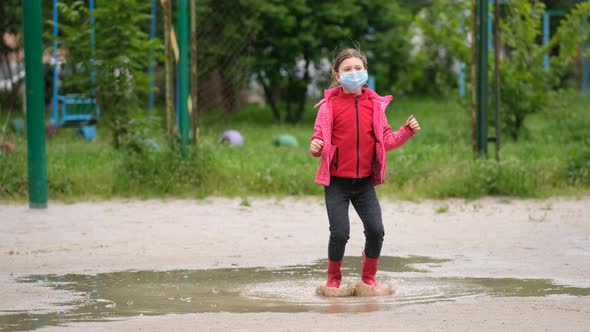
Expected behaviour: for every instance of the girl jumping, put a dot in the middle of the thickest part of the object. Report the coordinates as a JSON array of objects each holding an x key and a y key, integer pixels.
[{"x": 352, "y": 135}]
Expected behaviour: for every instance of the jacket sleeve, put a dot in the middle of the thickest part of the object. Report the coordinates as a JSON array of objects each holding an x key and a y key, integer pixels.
[
  {"x": 317, "y": 129},
  {"x": 395, "y": 139}
]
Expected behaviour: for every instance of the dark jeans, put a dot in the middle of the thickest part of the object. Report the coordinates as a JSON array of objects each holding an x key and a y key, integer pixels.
[{"x": 361, "y": 193}]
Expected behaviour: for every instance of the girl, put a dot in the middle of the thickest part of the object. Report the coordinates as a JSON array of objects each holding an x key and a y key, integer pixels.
[{"x": 352, "y": 135}]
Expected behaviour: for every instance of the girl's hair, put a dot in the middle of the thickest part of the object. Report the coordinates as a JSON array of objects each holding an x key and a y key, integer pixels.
[{"x": 343, "y": 55}]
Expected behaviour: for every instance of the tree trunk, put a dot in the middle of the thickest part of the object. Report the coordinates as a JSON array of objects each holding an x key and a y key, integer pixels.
[
  {"x": 291, "y": 94},
  {"x": 120, "y": 125},
  {"x": 473, "y": 80},
  {"x": 228, "y": 91},
  {"x": 268, "y": 97},
  {"x": 303, "y": 93},
  {"x": 169, "y": 69},
  {"x": 194, "y": 80},
  {"x": 518, "y": 124}
]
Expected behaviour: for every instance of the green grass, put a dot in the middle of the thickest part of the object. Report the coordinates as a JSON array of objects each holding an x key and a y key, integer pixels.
[{"x": 553, "y": 158}]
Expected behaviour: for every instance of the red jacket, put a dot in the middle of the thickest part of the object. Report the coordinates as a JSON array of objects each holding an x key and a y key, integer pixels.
[
  {"x": 385, "y": 138},
  {"x": 352, "y": 135}
]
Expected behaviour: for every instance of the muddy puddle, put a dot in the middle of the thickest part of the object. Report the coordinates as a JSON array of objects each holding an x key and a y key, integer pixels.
[{"x": 239, "y": 290}]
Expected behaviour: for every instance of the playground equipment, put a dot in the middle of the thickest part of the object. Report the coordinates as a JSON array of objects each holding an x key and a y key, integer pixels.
[
  {"x": 546, "y": 37},
  {"x": 36, "y": 156},
  {"x": 76, "y": 108},
  {"x": 88, "y": 130},
  {"x": 71, "y": 108},
  {"x": 36, "y": 161}
]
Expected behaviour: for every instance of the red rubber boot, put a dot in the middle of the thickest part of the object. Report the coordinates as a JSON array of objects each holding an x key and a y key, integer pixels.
[
  {"x": 369, "y": 270},
  {"x": 334, "y": 274}
]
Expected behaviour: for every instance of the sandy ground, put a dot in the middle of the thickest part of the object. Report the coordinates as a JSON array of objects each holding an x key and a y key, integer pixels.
[{"x": 491, "y": 237}]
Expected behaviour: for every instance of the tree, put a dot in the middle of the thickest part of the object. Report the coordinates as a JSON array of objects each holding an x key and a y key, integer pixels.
[
  {"x": 526, "y": 85},
  {"x": 285, "y": 35},
  {"x": 441, "y": 31},
  {"x": 224, "y": 31},
  {"x": 279, "y": 43},
  {"x": 388, "y": 42},
  {"x": 573, "y": 31},
  {"x": 119, "y": 62},
  {"x": 297, "y": 34}
]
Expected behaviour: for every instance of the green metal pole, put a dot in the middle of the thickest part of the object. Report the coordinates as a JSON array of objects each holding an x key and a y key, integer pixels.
[
  {"x": 482, "y": 79},
  {"x": 35, "y": 101},
  {"x": 183, "y": 71}
]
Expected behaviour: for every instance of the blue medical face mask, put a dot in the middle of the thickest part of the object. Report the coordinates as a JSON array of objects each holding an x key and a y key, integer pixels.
[{"x": 352, "y": 81}]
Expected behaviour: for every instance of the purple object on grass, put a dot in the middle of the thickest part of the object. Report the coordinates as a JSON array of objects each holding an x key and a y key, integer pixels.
[{"x": 233, "y": 137}]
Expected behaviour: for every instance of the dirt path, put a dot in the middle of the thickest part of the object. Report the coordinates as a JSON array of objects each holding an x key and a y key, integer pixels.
[{"x": 486, "y": 238}]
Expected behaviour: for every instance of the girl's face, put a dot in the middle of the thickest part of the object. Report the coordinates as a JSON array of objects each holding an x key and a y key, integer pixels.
[{"x": 350, "y": 64}]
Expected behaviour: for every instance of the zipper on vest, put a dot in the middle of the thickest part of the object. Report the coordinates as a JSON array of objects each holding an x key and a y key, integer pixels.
[{"x": 358, "y": 136}]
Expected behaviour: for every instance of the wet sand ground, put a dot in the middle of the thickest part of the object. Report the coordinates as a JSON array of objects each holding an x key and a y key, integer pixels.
[{"x": 486, "y": 238}]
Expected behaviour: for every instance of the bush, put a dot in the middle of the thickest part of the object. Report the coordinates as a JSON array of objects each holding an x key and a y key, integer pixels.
[
  {"x": 163, "y": 173},
  {"x": 13, "y": 175},
  {"x": 577, "y": 169}
]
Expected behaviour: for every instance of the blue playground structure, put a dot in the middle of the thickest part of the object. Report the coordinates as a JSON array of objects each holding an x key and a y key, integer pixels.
[
  {"x": 546, "y": 37},
  {"x": 76, "y": 108},
  {"x": 73, "y": 108}
]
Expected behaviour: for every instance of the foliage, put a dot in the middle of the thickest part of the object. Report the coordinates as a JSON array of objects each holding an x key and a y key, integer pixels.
[
  {"x": 11, "y": 24},
  {"x": 224, "y": 32},
  {"x": 388, "y": 42},
  {"x": 526, "y": 87},
  {"x": 276, "y": 59},
  {"x": 295, "y": 37},
  {"x": 10, "y": 66},
  {"x": 414, "y": 47},
  {"x": 162, "y": 172},
  {"x": 573, "y": 31},
  {"x": 441, "y": 32},
  {"x": 116, "y": 67},
  {"x": 437, "y": 163},
  {"x": 13, "y": 175},
  {"x": 11, "y": 13}
]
